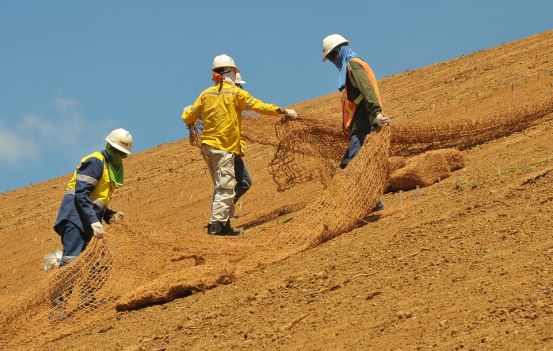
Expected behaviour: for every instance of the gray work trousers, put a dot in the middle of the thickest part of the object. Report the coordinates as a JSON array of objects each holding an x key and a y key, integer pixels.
[{"x": 220, "y": 164}]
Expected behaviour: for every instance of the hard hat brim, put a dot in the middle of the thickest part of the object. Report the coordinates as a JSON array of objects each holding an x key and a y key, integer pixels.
[
  {"x": 118, "y": 147},
  {"x": 236, "y": 68},
  {"x": 340, "y": 41}
]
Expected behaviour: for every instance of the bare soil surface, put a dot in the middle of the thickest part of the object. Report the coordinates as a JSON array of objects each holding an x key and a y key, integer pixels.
[{"x": 463, "y": 264}]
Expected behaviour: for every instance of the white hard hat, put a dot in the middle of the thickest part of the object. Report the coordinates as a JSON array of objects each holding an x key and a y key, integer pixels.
[
  {"x": 223, "y": 61},
  {"x": 331, "y": 42},
  {"x": 238, "y": 79},
  {"x": 120, "y": 139}
]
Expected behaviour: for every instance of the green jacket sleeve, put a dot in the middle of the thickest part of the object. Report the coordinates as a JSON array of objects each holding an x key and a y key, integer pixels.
[{"x": 365, "y": 87}]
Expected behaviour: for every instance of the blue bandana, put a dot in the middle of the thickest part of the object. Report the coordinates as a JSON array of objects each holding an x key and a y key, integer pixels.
[{"x": 345, "y": 53}]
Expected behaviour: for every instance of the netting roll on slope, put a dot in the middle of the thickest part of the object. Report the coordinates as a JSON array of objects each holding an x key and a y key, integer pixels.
[
  {"x": 305, "y": 153},
  {"x": 349, "y": 197},
  {"x": 412, "y": 139},
  {"x": 107, "y": 275},
  {"x": 352, "y": 193},
  {"x": 67, "y": 299}
]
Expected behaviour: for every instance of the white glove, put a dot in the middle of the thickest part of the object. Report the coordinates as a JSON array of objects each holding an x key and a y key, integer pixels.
[
  {"x": 292, "y": 114},
  {"x": 117, "y": 216},
  {"x": 189, "y": 107},
  {"x": 97, "y": 230},
  {"x": 381, "y": 121}
]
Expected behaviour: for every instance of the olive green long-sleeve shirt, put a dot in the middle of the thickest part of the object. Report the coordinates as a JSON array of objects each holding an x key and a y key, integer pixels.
[{"x": 357, "y": 83}]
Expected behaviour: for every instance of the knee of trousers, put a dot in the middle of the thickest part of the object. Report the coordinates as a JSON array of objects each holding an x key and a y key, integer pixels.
[
  {"x": 243, "y": 186},
  {"x": 224, "y": 193},
  {"x": 225, "y": 186},
  {"x": 247, "y": 183},
  {"x": 225, "y": 181}
]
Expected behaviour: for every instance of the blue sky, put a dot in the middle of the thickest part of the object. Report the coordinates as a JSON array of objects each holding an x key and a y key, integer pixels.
[{"x": 72, "y": 70}]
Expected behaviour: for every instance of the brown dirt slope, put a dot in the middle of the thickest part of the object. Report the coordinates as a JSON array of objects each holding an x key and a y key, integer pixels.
[{"x": 462, "y": 264}]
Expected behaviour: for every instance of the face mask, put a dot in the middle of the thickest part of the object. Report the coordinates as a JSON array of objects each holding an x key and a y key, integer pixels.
[
  {"x": 229, "y": 75},
  {"x": 115, "y": 157},
  {"x": 336, "y": 59},
  {"x": 115, "y": 165}
]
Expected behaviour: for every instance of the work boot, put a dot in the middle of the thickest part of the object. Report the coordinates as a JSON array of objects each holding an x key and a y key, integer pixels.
[
  {"x": 215, "y": 228},
  {"x": 229, "y": 230},
  {"x": 379, "y": 206}
]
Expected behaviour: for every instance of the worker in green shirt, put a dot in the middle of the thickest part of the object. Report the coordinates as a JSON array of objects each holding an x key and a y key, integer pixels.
[{"x": 361, "y": 100}]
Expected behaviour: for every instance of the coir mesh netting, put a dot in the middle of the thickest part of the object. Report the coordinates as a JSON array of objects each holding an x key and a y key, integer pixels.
[
  {"x": 106, "y": 277},
  {"x": 307, "y": 152},
  {"x": 110, "y": 277}
]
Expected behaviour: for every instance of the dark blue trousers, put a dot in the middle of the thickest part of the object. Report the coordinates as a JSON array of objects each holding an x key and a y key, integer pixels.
[
  {"x": 74, "y": 241},
  {"x": 243, "y": 179},
  {"x": 355, "y": 142}
]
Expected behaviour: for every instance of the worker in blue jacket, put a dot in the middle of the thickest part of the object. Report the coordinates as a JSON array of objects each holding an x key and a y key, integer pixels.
[{"x": 85, "y": 203}]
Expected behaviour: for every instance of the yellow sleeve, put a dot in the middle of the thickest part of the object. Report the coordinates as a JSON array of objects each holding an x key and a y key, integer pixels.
[
  {"x": 247, "y": 102},
  {"x": 191, "y": 115}
]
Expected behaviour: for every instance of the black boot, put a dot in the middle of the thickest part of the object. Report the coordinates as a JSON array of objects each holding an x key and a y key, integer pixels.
[
  {"x": 379, "y": 206},
  {"x": 215, "y": 228},
  {"x": 229, "y": 230}
]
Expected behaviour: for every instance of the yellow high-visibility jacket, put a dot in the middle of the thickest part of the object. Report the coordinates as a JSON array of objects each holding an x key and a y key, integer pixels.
[
  {"x": 88, "y": 193},
  {"x": 102, "y": 187},
  {"x": 221, "y": 116}
]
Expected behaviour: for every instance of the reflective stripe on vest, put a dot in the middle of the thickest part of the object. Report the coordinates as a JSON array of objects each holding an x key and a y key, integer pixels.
[
  {"x": 349, "y": 107},
  {"x": 87, "y": 179},
  {"x": 101, "y": 194}
]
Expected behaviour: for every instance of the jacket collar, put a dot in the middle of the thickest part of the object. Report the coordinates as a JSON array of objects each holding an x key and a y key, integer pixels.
[{"x": 106, "y": 156}]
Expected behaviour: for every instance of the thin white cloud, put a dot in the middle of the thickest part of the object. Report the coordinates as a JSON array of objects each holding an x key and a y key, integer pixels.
[
  {"x": 15, "y": 146},
  {"x": 64, "y": 130},
  {"x": 62, "y": 103},
  {"x": 33, "y": 122}
]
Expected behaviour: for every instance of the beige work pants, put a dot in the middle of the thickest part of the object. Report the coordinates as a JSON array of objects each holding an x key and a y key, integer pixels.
[{"x": 221, "y": 168}]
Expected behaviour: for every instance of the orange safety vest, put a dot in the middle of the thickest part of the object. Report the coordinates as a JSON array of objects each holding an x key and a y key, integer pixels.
[{"x": 349, "y": 107}]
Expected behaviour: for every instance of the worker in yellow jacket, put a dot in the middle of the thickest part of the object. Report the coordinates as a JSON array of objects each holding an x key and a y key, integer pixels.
[
  {"x": 219, "y": 108},
  {"x": 85, "y": 203}
]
